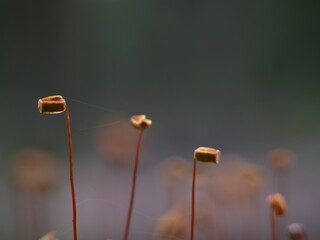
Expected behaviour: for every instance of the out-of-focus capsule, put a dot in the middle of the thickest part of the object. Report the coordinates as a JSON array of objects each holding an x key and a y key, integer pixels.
[
  {"x": 176, "y": 168},
  {"x": 281, "y": 158},
  {"x": 140, "y": 122},
  {"x": 277, "y": 203},
  {"x": 52, "y": 105},
  {"x": 48, "y": 236},
  {"x": 172, "y": 225},
  {"x": 297, "y": 231},
  {"x": 205, "y": 154},
  {"x": 33, "y": 170}
]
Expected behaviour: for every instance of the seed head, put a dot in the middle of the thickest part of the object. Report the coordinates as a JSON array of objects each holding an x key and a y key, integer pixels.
[
  {"x": 277, "y": 203},
  {"x": 33, "y": 170},
  {"x": 140, "y": 122},
  {"x": 113, "y": 141},
  {"x": 252, "y": 177},
  {"x": 176, "y": 167},
  {"x": 281, "y": 158},
  {"x": 205, "y": 154},
  {"x": 297, "y": 231},
  {"x": 52, "y": 105},
  {"x": 48, "y": 236},
  {"x": 171, "y": 226}
]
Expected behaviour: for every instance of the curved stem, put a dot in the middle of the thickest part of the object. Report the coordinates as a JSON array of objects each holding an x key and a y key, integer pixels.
[
  {"x": 74, "y": 207},
  {"x": 133, "y": 187},
  {"x": 193, "y": 199}
]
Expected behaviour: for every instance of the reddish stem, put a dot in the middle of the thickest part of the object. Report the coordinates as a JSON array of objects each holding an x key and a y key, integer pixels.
[
  {"x": 133, "y": 187},
  {"x": 273, "y": 225},
  {"x": 74, "y": 207},
  {"x": 193, "y": 198}
]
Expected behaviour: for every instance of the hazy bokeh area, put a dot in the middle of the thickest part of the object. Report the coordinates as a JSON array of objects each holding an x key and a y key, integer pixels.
[{"x": 240, "y": 76}]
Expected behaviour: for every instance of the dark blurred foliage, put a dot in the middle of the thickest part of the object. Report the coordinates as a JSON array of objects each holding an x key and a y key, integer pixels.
[{"x": 237, "y": 69}]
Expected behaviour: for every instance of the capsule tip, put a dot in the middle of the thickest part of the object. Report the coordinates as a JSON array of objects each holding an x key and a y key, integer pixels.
[
  {"x": 52, "y": 105},
  {"x": 205, "y": 154},
  {"x": 140, "y": 122}
]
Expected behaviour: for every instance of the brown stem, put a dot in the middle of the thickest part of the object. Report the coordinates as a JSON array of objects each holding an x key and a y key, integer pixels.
[
  {"x": 74, "y": 207},
  {"x": 193, "y": 199},
  {"x": 273, "y": 225},
  {"x": 133, "y": 187}
]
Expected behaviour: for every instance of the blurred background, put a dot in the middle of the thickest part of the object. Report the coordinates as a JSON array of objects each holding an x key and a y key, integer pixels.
[{"x": 240, "y": 76}]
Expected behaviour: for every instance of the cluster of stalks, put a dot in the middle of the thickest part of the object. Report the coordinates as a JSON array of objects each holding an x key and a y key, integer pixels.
[
  {"x": 56, "y": 104},
  {"x": 173, "y": 225},
  {"x": 281, "y": 161}
]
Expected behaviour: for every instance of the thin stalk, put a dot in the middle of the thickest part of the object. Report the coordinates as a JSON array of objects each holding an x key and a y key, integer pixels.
[
  {"x": 133, "y": 187},
  {"x": 171, "y": 186},
  {"x": 273, "y": 225},
  {"x": 74, "y": 207},
  {"x": 34, "y": 216},
  {"x": 44, "y": 211},
  {"x": 193, "y": 199}
]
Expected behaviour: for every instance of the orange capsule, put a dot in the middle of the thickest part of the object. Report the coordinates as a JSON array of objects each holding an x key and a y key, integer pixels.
[
  {"x": 52, "y": 105},
  {"x": 173, "y": 224},
  {"x": 277, "y": 203},
  {"x": 140, "y": 122},
  {"x": 281, "y": 158},
  {"x": 33, "y": 170},
  {"x": 205, "y": 154},
  {"x": 48, "y": 236}
]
